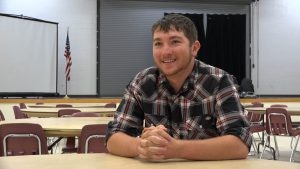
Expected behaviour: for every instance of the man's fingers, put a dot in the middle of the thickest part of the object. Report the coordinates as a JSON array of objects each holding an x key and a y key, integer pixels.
[
  {"x": 154, "y": 141},
  {"x": 148, "y": 129},
  {"x": 151, "y": 153},
  {"x": 157, "y": 131},
  {"x": 157, "y": 141},
  {"x": 162, "y": 127}
]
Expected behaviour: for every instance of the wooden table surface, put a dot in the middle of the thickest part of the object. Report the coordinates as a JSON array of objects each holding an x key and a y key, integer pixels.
[
  {"x": 74, "y": 105},
  {"x": 62, "y": 127},
  {"x": 53, "y": 112},
  {"x": 293, "y": 111},
  {"x": 107, "y": 161}
]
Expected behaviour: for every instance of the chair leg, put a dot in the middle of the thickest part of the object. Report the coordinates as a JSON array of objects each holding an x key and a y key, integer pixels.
[
  {"x": 259, "y": 143},
  {"x": 291, "y": 144},
  {"x": 259, "y": 136},
  {"x": 254, "y": 146},
  {"x": 276, "y": 147},
  {"x": 264, "y": 147},
  {"x": 267, "y": 143},
  {"x": 294, "y": 149}
]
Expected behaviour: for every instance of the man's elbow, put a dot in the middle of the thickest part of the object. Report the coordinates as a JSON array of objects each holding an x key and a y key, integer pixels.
[
  {"x": 241, "y": 148},
  {"x": 108, "y": 145},
  {"x": 243, "y": 151},
  {"x": 111, "y": 144}
]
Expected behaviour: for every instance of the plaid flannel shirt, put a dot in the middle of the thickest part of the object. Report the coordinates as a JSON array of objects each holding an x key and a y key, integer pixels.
[{"x": 206, "y": 106}]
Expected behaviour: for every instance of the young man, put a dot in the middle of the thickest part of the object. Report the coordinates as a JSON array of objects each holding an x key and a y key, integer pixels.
[{"x": 190, "y": 110}]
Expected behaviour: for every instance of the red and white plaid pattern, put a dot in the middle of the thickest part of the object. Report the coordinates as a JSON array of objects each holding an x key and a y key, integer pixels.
[{"x": 207, "y": 105}]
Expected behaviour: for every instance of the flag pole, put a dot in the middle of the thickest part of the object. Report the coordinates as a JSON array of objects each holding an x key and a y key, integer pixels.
[{"x": 66, "y": 94}]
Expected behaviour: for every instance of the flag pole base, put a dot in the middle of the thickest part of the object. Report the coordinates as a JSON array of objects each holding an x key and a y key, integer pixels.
[{"x": 66, "y": 97}]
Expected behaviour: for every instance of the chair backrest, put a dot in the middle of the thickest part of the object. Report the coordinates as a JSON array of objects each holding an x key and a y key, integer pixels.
[
  {"x": 255, "y": 117},
  {"x": 92, "y": 139},
  {"x": 110, "y": 105},
  {"x": 18, "y": 113},
  {"x": 22, "y": 139},
  {"x": 85, "y": 114},
  {"x": 67, "y": 112},
  {"x": 278, "y": 105},
  {"x": 257, "y": 104},
  {"x": 64, "y": 105},
  {"x": 2, "y": 118},
  {"x": 22, "y": 105},
  {"x": 278, "y": 121}
]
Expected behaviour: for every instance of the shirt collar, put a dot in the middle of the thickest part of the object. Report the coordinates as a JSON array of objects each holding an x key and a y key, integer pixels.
[{"x": 187, "y": 85}]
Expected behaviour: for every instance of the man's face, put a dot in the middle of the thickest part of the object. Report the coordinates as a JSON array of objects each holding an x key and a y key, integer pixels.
[{"x": 172, "y": 52}]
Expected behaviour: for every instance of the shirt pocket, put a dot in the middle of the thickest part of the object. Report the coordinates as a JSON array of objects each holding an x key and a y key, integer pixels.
[
  {"x": 155, "y": 114},
  {"x": 194, "y": 128},
  {"x": 197, "y": 130},
  {"x": 155, "y": 120}
]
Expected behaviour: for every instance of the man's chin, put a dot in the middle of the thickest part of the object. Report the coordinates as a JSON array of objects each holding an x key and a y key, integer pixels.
[{"x": 169, "y": 73}]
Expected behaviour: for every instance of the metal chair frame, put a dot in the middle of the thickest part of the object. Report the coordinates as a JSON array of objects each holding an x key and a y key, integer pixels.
[
  {"x": 88, "y": 140},
  {"x": 256, "y": 124},
  {"x": 286, "y": 133},
  {"x": 23, "y": 136}
]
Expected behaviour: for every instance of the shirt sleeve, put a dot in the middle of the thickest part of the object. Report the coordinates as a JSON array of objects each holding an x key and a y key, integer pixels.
[
  {"x": 129, "y": 115},
  {"x": 230, "y": 117}
]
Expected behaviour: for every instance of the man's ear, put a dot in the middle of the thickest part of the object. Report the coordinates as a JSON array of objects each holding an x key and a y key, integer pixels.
[{"x": 195, "y": 48}]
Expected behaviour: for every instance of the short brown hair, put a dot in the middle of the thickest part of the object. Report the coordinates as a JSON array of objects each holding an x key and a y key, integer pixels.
[{"x": 180, "y": 23}]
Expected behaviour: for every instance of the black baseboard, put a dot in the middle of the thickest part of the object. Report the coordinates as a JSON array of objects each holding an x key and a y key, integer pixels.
[{"x": 27, "y": 94}]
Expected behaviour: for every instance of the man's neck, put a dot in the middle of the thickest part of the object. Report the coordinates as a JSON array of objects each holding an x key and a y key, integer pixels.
[{"x": 178, "y": 80}]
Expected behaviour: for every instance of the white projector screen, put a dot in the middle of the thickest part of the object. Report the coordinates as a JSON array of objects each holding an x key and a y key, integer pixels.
[{"x": 28, "y": 56}]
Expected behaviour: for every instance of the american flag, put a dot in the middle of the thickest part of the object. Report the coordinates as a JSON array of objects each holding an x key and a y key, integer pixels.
[{"x": 68, "y": 58}]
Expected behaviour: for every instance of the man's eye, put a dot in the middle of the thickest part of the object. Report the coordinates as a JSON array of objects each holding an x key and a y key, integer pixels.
[
  {"x": 175, "y": 41},
  {"x": 157, "y": 44}
]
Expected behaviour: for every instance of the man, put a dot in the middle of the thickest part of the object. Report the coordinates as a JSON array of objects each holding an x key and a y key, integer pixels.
[{"x": 190, "y": 110}]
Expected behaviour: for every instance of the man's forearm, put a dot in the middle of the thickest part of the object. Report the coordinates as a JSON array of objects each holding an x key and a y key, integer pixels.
[
  {"x": 123, "y": 145},
  {"x": 218, "y": 148}
]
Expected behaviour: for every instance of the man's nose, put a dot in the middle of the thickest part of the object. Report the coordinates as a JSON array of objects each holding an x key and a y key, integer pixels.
[{"x": 167, "y": 50}]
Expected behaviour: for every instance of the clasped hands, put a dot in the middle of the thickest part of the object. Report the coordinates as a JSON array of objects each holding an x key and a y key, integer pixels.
[{"x": 156, "y": 144}]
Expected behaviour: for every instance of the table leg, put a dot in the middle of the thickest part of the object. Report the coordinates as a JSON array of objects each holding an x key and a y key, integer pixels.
[{"x": 50, "y": 147}]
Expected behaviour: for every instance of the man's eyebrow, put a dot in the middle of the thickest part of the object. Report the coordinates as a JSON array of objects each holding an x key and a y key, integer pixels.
[
  {"x": 172, "y": 37},
  {"x": 156, "y": 39},
  {"x": 176, "y": 37}
]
